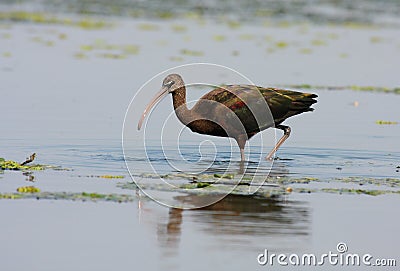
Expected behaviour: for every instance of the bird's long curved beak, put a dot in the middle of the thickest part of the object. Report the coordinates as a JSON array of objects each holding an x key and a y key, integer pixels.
[{"x": 158, "y": 97}]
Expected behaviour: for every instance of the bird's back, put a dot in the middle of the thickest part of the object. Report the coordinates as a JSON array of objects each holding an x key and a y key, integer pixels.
[{"x": 282, "y": 103}]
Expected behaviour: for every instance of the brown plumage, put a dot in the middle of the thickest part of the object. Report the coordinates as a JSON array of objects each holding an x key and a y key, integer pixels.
[{"x": 237, "y": 111}]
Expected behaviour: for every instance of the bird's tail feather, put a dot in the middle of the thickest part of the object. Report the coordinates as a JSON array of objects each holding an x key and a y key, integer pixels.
[{"x": 302, "y": 102}]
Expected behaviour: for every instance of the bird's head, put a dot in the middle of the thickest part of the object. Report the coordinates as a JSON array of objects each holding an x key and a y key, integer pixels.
[{"x": 170, "y": 84}]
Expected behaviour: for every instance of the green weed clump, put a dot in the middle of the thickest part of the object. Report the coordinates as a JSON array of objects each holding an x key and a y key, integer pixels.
[{"x": 12, "y": 165}]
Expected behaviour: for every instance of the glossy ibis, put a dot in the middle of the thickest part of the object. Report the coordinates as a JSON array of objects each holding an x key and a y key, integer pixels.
[{"x": 210, "y": 114}]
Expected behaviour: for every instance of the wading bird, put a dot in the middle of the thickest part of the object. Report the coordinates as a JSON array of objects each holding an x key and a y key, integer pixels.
[{"x": 236, "y": 111}]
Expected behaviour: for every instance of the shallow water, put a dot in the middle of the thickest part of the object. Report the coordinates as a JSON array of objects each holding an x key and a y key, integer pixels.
[{"x": 63, "y": 97}]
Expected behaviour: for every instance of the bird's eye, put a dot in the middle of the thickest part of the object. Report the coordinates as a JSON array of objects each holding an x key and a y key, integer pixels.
[{"x": 169, "y": 84}]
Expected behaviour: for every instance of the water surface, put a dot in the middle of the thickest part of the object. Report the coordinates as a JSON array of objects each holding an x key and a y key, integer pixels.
[{"x": 64, "y": 97}]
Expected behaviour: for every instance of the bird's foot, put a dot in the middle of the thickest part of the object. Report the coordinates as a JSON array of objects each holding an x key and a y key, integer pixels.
[{"x": 269, "y": 158}]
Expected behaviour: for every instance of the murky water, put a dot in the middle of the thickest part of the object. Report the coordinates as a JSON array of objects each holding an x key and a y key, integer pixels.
[
  {"x": 65, "y": 89},
  {"x": 338, "y": 11}
]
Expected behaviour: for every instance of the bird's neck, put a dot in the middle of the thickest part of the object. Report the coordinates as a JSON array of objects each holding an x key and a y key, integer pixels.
[{"x": 180, "y": 107}]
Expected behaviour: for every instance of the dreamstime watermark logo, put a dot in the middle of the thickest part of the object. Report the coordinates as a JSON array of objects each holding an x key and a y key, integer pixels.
[
  {"x": 166, "y": 140},
  {"x": 340, "y": 257}
]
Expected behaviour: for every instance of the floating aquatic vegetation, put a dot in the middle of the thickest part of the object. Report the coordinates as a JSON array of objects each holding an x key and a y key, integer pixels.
[
  {"x": 271, "y": 186},
  {"x": 263, "y": 12},
  {"x": 80, "y": 55},
  {"x": 148, "y": 27},
  {"x": 84, "y": 196},
  {"x": 281, "y": 44},
  {"x": 42, "y": 41},
  {"x": 112, "y": 56},
  {"x": 49, "y": 43},
  {"x": 45, "y": 18},
  {"x": 191, "y": 52},
  {"x": 317, "y": 42},
  {"x": 219, "y": 37},
  {"x": 86, "y": 47},
  {"x": 359, "y": 191},
  {"x": 193, "y": 15},
  {"x": 178, "y": 28},
  {"x": 215, "y": 188},
  {"x": 24, "y": 16},
  {"x": 357, "y": 25},
  {"x": 390, "y": 182},
  {"x": 176, "y": 58},
  {"x": 13, "y": 165},
  {"x": 6, "y": 36},
  {"x": 376, "y": 39},
  {"x": 11, "y": 196},
  {"x": 6, "y": 54},
  {"x": 305, "y": 51},
  {"x": 191, "y": 186},
  {"x": 165, "y": 14},
  {"x": 386, "y": 122},
  {"x": 202, "y": 185},
  {"x": 28, "y": 189},
  {"x": 333, "y": 36},
  {"x": 130, "y": 49},
  {"x": 62, "y": 36},
  {"x": 225, "y": 176},
  {"x": 284, "y": 24},
  {"x": 228, "y": 177},
  {"x": 107, "y": 50},
  {"x": 102, "y": 176},
  {"x": 89, "y": 23},
  {"x": 233, "y": 24},
  {"x": 112, "y": 176}
]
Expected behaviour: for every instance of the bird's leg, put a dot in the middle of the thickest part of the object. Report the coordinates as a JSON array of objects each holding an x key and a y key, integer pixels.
[
  {"x": 242, "y": 158},
  {"x": 286, "y": 134},
  {"x": 241, "y": 141},
  {"x": 241, "y": 167}
]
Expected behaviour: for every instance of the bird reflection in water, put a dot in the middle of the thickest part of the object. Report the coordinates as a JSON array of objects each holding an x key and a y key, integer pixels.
[
  {"x": 240, "y": 221},
  {"x": 169, "y": 234}
]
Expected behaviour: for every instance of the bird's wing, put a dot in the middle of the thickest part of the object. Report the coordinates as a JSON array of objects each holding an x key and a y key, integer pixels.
[
  {"x": 282, "y": 103},
  {"x": 228, "y": 95}
]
